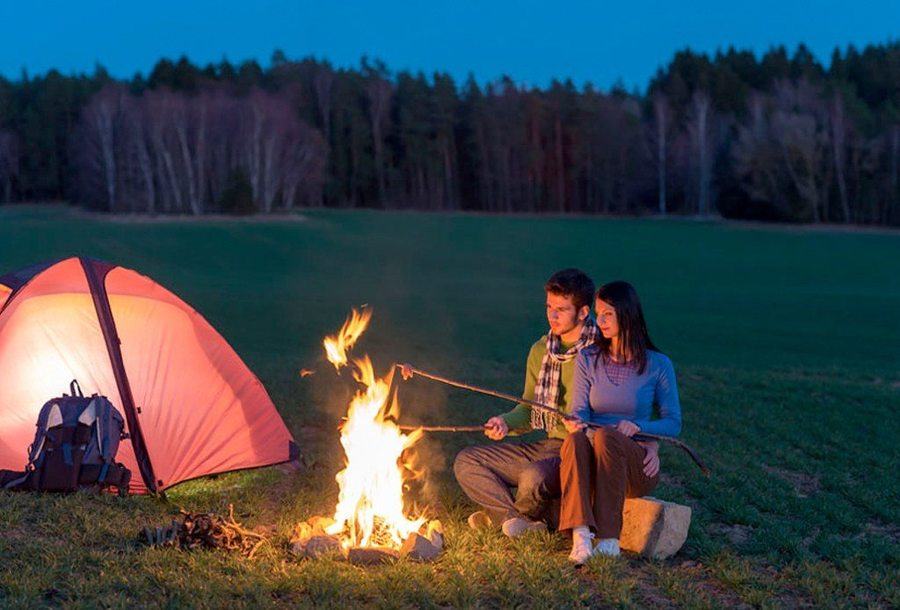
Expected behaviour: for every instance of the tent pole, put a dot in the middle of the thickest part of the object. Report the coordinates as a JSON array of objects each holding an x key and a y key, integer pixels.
[{"x": 110, "y": 335}]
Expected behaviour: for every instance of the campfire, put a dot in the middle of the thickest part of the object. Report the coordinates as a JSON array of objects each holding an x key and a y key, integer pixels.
[{"x": 371, "y": 522}]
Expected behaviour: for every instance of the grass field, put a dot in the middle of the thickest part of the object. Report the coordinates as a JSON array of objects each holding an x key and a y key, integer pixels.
[{"x": 786, "y": 343}]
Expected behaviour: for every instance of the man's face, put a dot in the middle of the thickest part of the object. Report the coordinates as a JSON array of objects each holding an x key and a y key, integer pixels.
[
  {"x": 606, "y": 319},
  {"x": 562, "y": 314}
]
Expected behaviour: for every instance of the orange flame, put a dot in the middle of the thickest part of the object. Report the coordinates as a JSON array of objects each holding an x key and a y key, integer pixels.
[
  {"x": 370, "y": 505},
  {"x": 337, "y": 346}
]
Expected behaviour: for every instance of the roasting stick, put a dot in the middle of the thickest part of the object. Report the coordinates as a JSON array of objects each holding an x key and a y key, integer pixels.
[
  {"x": 536, "y": 405},
  {"x": 444, "y": 428}
]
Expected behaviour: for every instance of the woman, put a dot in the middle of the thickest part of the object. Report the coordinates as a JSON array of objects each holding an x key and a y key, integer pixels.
[{"x": 617, "y": 383}]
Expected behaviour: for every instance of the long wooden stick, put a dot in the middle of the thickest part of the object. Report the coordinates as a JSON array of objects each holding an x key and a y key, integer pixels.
[
  {"x": 444, "y": 428},
  {"x": 548, "y": 409}
]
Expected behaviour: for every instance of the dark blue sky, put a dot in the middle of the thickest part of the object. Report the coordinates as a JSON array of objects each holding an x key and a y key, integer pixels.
[{"x": 531, "y": 41}]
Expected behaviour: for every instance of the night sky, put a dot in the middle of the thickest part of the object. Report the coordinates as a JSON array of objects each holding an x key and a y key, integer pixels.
[{"x": 533, "y": 42}]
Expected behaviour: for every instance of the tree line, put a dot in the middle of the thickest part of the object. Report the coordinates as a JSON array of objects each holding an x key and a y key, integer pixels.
[{"x": 771, "y": 137}]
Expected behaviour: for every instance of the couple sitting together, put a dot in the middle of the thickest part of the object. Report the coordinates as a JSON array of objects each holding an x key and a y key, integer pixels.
[{"x": 606, "y": 372}]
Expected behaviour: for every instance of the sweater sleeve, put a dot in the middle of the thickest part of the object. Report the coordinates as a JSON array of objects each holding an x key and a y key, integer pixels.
[
  {"x": 581, "y": 387},
  {"x": 519, "y": 418},
  {"x": 666, "y": 397}
]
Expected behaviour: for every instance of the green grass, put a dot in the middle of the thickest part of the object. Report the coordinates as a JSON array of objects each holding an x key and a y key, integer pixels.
[{"x": 786, "y": 343}]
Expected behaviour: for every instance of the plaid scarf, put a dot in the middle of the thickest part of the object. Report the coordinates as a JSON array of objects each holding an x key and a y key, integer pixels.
[{"x": 546, "y": 389}]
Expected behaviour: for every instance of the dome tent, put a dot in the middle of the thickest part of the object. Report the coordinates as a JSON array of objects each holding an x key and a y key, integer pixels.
[{"x": 191, "y": 406}]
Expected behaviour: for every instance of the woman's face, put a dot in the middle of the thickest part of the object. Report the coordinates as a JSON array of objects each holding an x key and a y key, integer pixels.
[{"x": 606, "y": 319}]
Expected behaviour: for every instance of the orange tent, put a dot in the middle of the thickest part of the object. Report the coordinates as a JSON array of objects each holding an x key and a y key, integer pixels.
[{"x": 191, "y": 406}]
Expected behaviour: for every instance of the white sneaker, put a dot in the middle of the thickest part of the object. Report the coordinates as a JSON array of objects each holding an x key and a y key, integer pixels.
[
  {"x": 608, "y": 547},
  {"x": 517, "y": 526},
  {"x": 479, "y": 520},
  {"x": 582, "y": 545}
]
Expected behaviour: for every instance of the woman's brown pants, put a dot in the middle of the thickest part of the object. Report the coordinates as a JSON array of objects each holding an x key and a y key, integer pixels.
[{"x": 597, "y": 478}]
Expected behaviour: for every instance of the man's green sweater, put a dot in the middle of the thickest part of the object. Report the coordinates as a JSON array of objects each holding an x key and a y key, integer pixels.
[{"x": 519, "y": 419}]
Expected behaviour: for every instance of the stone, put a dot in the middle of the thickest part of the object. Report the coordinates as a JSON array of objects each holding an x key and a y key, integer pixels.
[
  {"x": 367, "y": 556},
  {"x": 321, "y": 545},
  {"x": 654, "y": 528},
  {"x": 419, "y": 548},
  {"x": 435, "y": 533},
  {"x": 314, "y": 546}
]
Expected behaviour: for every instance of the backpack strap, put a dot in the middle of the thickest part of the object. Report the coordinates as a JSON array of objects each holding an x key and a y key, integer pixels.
[
  {"x": 89, "y": 414},
  {"x": 47, "y": 419},
  {"x": 75, "y": 386},
  {"x": 17, "y": 483}
]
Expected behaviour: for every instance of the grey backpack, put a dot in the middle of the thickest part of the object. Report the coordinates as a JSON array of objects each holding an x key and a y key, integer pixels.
[{"x": 74, "y": 447}]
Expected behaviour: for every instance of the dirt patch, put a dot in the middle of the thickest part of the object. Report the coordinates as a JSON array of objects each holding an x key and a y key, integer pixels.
[
  {"x": 649, "y": 593},
  {"x": 804, "y": 484},
  {"x": 735, "y": 534}
]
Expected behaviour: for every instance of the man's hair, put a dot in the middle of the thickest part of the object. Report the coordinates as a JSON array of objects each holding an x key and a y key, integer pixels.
[{"x": 572, "y": 283}]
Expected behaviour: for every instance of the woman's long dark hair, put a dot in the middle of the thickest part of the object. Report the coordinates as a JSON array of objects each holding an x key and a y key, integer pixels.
[{"x": 633, "y": 336}]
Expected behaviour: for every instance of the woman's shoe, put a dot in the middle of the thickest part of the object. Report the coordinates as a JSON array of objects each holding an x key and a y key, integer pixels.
[
  {"x": 582, "y": 545},
  {"x": 608, "y": 547}
]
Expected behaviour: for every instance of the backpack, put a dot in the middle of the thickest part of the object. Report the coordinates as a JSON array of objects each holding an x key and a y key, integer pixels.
[{"x": 74, "y": 447}]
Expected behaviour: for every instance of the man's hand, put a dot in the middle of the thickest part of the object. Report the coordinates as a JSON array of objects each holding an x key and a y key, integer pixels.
[
  {"x": 496, "y": 429},
  {"x": 651, "y": 459},
  {"x": 406, "y": 370},
  {"x": 573, "y": 425},
  {"x": 627, "y": 428}
]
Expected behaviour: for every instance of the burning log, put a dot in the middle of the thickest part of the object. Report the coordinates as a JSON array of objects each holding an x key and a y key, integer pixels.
[
  {"x": 310, "y": 541},
  {"x": 371, "y": 523},
  {"x": 371, "y": 511}
]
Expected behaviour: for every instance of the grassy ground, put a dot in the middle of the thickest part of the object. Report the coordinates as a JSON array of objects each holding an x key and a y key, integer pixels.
[{"x": 786, "y": 344}]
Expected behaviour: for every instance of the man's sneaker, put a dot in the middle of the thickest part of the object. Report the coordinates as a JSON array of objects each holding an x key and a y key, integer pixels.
[
  {"x": 517, "y": 526},
  {"x": 608, "y": 547},
  {"x": 479, "y": 520},
  {"x": 582, "y": 545}
]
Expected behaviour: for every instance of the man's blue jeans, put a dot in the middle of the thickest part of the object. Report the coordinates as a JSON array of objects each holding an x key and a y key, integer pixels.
[{"x": 487, "y": 473}]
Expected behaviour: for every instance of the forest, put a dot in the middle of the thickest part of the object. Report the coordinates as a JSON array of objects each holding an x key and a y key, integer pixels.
[{"x": 777, "y": 137}]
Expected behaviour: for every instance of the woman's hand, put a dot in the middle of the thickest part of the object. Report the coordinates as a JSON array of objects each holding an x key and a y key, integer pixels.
[
  {"x": 627, "y": 428},
  {"x": 573, "y": 425},
  {"x": 651, "y": 459},
  {"x": 406, "y": 370},
  {"x": 496, "y": 429}
]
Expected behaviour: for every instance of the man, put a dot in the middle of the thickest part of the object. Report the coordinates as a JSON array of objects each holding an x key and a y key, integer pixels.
[{"x": 488, "y": 472}]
